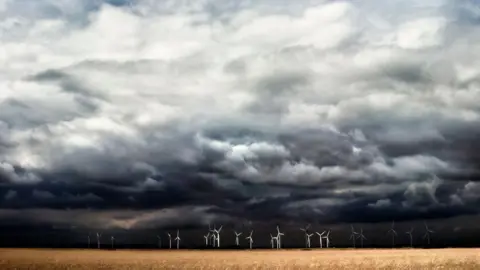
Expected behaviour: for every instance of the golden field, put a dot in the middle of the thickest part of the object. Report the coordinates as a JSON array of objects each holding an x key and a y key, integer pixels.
[{"x": 256, "y": 259}]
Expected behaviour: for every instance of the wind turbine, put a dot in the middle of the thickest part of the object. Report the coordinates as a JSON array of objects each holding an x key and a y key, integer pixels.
[
  {"x": 169, "y": 240},
  {"x": 305, "y": 230},
  {"x": 250, "y": 239},
  {"x": 427, "y": 233},
  {"x": 308, "y": 239},
  {"x": 112, "y": 238},
  {"x": 273, "y": 239},
  {"x": 178, "y": 239},
  {"x": 237, "y": 242},
  {"x": 393, "y": 232},
  {"x": 361, "y": 236},
  {"x": 327, "y": 239},
  {"x": 89, "y": 241},
  {"x": 159, "y": 241},
  {"x": 320, "y": 238},
  {"x": 410, "y": 234},
  {"x": 206, "y": 238},
  {"x": 98, "y": 239},
  {"x": 217, "y": 237},
  {"x": 353, "y": 236},
  {"x": 279, "y": 237}
]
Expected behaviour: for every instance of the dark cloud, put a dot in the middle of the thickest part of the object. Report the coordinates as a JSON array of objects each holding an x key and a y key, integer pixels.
[{"x": 241, "y": 113}]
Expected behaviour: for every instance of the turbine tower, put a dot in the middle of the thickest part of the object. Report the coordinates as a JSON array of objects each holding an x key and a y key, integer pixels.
[
  {"x": 353, "y": 236},
  {"x": 308, "y": 239},
  {"x": 250, "y": 239},
  {"x": 206, "y": 238},
  {"x": 98, "y": 239},
  {"x": 305, "y": 230},
  {"x": 237, "y": 242},
  {"x": 361, "y": 236},
  {"x": 410, "y": 234},
  {"x": 393, "y": 232},
  {"x": 320, "y": 238},
  {"x": 214, "y": 239},
  {"x": 427, "y": 233},
  {"x": 279, "y": 238},
  {"x": 159, "y": 243},
  {"x": 89, "y": 241},
  {"x": 178, "y": 239},
  {"x": 327, "y": 239},
  {"x": 169, "y": 240},
  {"x": 112, "y": 238}
]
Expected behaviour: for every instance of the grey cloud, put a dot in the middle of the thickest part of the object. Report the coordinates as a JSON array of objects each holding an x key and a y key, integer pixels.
[
  {"x": 43, "y": 195},
  {"x": 421, "y": 194},
  {"x": 69, "y": 84},
  {"x": 10, "y": 195},
  {"x": 380, "y": 203},
  {"x": 125, "y": 219},
  {"x": 18, "y": 175},
  {"x": 470, "y": 192},
  {"x": 89, "y": 197}
]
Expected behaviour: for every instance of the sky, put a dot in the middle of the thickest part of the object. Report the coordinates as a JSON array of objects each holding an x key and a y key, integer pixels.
[{"x": 152, "y": 115}]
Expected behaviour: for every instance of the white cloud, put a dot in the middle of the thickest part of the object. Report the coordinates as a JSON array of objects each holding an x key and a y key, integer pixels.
[{"x": 421, "y": 33}]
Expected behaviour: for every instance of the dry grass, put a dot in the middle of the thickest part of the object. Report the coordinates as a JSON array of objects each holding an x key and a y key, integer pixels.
[{"x": 283, "y": 259}]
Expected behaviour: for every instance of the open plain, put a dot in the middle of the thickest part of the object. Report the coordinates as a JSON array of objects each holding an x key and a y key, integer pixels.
[{"x": 256, "y": 259}]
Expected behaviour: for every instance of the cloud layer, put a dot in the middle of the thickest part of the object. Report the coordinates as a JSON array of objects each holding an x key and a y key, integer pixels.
[{"x": 315, "y": 110}]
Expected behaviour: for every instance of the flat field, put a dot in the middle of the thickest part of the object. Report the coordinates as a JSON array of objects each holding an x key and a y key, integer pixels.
[{"x": 256, "y": 259}]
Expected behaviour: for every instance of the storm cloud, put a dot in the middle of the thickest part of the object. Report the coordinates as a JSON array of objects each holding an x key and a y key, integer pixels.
[{"x": 146, "y": 114}]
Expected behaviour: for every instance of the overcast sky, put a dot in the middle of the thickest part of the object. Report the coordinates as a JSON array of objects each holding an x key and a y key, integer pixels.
[{"x": 152, "y": 114}]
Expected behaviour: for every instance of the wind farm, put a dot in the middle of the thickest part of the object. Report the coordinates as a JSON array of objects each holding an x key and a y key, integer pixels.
[
  {"x": 309, "y": 237},
  {"x": 338, "y": 247}
]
